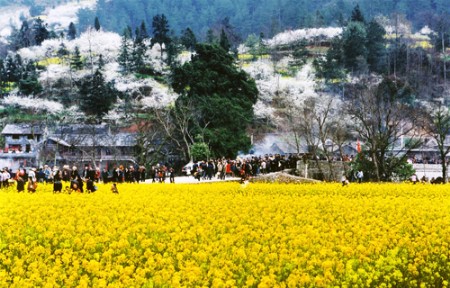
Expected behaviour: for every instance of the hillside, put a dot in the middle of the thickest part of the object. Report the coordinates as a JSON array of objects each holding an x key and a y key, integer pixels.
[
  {"x": 55, "y": 13},
  {"x": 244, "y": 16},
  {"x": 250, "y": 16},
  {"x": 93, "y": 43},
  {"x": 275, "y": 82},
  {"x": 313, "y": 91}
]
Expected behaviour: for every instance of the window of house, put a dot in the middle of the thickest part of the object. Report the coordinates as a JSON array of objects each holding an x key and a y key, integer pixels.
[
  {"x": 30, "y": 137},
  {"x": 15, "y": 137}
]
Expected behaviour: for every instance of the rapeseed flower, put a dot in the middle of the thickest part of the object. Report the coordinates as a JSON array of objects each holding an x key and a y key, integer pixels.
[{"x": 227, "y": 235}]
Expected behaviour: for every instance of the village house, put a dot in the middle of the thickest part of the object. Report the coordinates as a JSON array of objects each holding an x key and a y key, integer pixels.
[
  {"x": 36, "y": 145},
  {"x": 21, "y": 144}
]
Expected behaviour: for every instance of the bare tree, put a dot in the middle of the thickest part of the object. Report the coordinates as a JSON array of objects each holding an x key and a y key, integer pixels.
[
  {"x": 341, "y": 132},
  {"x": 312, "y": 121},
  {"x": 319, "y": 114},
  {"x": 291, "y": 118},
  {"x": 151, "y": 141},
  {"x": 383, "y": 117},
  {"x": 438, "y": 127},
  {"x": 178, "y": 124}
]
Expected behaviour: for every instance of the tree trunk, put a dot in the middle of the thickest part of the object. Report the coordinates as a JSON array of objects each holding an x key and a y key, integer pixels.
[
  {"x": 444, "y": 167},
  {"x": 377, "y": 168}
]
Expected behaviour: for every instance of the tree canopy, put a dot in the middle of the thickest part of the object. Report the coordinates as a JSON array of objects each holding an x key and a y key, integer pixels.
[
  {"x": 96, "y": 95},
  {"x": 223, "y": 96}
]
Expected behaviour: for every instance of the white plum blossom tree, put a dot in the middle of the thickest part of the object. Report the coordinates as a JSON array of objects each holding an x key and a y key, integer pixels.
[{"x": 34, "y": 104}]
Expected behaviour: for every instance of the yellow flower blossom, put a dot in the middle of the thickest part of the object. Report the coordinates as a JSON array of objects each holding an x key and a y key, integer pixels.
[{"x": 227, "y": 235}]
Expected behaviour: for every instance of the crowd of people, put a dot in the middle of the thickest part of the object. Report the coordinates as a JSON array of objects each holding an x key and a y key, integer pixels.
[
  {"x": 242, "y": 167},
  {"x": 70, "y": 179},
  {"x": 75, "y": 180}
]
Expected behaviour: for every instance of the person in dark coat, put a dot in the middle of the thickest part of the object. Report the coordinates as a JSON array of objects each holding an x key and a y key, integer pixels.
[
  {"x": 105, "y": 175},
  {"x": 65, "y": 174},
  {"x": 40, "y": 175},
  {"x": 79, "y": 182},
  {"x": 75, "y": 180},
  {"x": 143, "y": 173},
  {"x": 172, "y": 175},
  {"x": 57, "y": 184},
  {"x": 89, "y": 177},
  {"x": 210, "y": 170}
]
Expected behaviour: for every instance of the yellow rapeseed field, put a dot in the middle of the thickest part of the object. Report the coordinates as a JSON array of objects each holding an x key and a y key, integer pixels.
[{"x": 227, "y": 235}]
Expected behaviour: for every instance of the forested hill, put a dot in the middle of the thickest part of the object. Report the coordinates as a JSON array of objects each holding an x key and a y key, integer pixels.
[{"x": 253, "y": 16}]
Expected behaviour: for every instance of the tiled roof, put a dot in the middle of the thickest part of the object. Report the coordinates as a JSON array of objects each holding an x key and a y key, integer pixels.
[
  {"x": 82, "y": 129},
  {"x": 76, "y": 135},
  {"x": 104, "y": 140},
  {"x": 23, "y": 129}
]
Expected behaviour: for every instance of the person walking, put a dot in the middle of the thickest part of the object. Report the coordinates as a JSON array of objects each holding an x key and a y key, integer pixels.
[
  {"x": 360, "y": 175},
  {"x": 172, "y": 175},
  {"x": 414, "y": 179}
]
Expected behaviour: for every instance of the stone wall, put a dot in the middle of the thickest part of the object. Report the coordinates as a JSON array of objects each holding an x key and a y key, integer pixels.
[{"x": 311, "y": 170}]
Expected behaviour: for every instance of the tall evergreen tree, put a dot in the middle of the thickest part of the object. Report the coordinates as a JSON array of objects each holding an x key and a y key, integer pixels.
[
  {"x": 252, "y": 42},
  {"x": 188, "y": 39},
  {"x": 76, "y": 61},
  {"x": 21, "y": 38},
  {"x": 101, "y": 62},
  {"x": 19, "y": 63},
  {"x": 229, "y": 30},
  {"x": 223, "y": 96},
  {"x": 262, "y": 47},
  {"x": 29, "y": 83},
  {"x": 12, "y": 71},
  {"x": 173, "y": 50},
  {"x": 376, "y": 47},
  {"x": 357, "y": 15},
  {"x": 97, "y": 24},
  {"x": 24, "y": 36},
  {"x": 72, "y": 32},
  {"x": 354, "y": 46},
  {"x": 62, "y": 51},
  {"x": 210, "y": 37},
  {"x": 125, "y": 57},
  {"x": 332, "y": 67},
  {"x": 96, "y": 95},
  {"x": 40, "y": 31},
  {"x": 319, "y": 20},
  {"x": 223, "y": 42},
  {"x": 143, "y": 34},
  {"x": 138, "y": 52},
  {"x": 299, "y": 53},
  {"x": 160, "y": 26}
]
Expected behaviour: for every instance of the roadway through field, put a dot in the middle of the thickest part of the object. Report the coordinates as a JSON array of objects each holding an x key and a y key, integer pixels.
[{"x": 192, "y": 180}]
